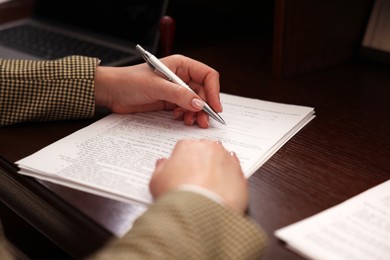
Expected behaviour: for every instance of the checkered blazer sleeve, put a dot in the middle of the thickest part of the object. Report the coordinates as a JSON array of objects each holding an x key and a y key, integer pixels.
[
  {"x": 46, "y": 90},
  {"x": 187, "y": 225}
]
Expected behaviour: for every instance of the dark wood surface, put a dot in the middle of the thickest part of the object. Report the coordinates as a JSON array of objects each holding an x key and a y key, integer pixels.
[
  {"x": 342, "y": 152},
  {"x": 312, "y": 34},
  {"x": 15, "y": 9}
]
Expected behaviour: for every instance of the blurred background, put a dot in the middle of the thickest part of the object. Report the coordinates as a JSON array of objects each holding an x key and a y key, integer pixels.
[{"x": 204, "y": 20}]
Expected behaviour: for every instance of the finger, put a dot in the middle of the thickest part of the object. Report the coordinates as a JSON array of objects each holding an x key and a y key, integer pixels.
[
  {"x": 211, "y": 141},
  {"x": 154, "y": 182},
  {"x": 178, "y": 113},
  {"x": 209, "y": 94},
  {"x": 198, "y": 76},
  {"x": 160, "y": 163},
  {"x": 189, "y": 118},
  {"x": 202, "y": 119},
  {"x": 233, "y": 155},
  {"x": 210, "y": 87},
  {"x": 178, "y": 95}
]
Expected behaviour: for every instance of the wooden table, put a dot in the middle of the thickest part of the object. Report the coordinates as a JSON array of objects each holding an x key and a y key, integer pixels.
[{"x": 342, "y": 152}]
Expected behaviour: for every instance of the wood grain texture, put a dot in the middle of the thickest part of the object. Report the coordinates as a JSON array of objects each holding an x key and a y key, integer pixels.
[
  {"x": 15, "y": 9},
  {"x": 341, "y": 153},
  {"x": 311, "y": 35}
]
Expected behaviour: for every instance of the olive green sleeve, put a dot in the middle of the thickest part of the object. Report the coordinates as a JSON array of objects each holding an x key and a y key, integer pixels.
[{"x": 187, "y": 225}]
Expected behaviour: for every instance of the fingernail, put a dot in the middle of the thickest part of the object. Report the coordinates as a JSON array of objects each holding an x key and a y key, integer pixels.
[
  {"x": 193, "y": 120},
  {"x": 197, "y": 103},
  {"x": 160, "y": 162}
]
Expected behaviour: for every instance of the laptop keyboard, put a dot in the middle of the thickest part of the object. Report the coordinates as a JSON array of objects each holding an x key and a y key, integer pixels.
[{"x": 52, "y": 45}]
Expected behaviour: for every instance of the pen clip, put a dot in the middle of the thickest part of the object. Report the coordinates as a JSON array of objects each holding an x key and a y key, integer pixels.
[
  {"x": 160, "y": 71},
  {"x": 149, "y": 64},
  {"x": 147, "y": 57}
]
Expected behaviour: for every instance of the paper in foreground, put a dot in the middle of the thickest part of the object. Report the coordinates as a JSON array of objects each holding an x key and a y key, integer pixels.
[
  {"x": 358, "y": 228},
  {"x": 115, "y": 156}
]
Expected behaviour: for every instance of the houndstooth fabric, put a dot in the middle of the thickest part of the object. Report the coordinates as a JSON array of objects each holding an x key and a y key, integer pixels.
[
  {"x": 180, "y": 225},
  {"x": 46, "y": 90}
]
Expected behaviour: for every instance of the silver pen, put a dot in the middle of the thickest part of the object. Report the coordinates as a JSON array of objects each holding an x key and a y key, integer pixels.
[{"x": 156, "y": 65}]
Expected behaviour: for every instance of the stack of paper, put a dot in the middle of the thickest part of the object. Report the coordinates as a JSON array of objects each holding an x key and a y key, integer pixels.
[
  {"x": 358, "y": 228},
  {"x": 115, "y": 156}
]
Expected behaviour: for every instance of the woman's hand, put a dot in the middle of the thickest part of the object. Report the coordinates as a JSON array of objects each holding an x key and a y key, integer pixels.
[
  {"x": 206, "y": 164},
  {"x": 139, "y": 89}
]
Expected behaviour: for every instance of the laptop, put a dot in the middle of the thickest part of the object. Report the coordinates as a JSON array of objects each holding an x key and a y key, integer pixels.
[{"x": 107, "y": 29}]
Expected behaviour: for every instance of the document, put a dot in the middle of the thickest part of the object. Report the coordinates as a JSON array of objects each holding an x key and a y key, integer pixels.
[
  {"x": 115, "y": 156},
  {"x": 358, "y": 228}
]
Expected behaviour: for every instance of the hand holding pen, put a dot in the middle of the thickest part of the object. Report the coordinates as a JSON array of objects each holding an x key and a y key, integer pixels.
[
  {"x": 132, "y": 89},
  {"x": 159, "y": 67}
]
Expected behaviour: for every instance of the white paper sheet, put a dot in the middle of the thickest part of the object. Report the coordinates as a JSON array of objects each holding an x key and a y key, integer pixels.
[
  {"x": 115, "y": 156},
  {"x": 358, "y": 228}
]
